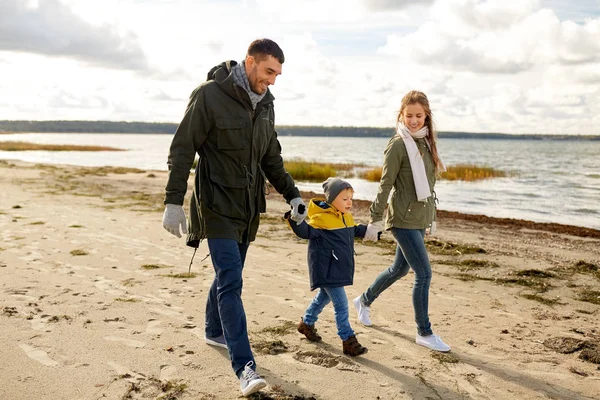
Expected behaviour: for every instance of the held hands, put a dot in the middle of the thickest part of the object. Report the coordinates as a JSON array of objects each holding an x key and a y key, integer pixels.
[
  {"x": 299, "y": 211},
  {"x": 174, "y": 219},
  {"x": 373, "y": 232}
]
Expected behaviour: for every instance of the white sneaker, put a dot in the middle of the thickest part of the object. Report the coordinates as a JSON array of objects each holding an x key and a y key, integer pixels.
[
  {"x": 216, "y": 341},
  {"x": 363, "y": 312},
  {"x": 433, "y": 342},
  {"x": 250, "y": 381}
]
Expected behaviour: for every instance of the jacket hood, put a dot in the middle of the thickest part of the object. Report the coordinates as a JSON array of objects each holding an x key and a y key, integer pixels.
[
  {"x": 220, "y": 72},
  {"x": 322, "y": 215}
]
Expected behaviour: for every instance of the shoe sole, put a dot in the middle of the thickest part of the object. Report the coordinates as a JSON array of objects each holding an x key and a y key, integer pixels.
[
  {"x": 431, "y": 348},
  {"x": 213, "y": 343},
  {"x": 356, "y": 306},
  {"x": 255, "y": 387}
]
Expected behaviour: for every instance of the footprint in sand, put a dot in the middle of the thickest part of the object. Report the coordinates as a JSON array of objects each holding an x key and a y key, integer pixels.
[
  {"x": 127, "y": 342},
  {"x": 152, "y": 327},
  {"x": 125, "y": 372},
  {"x": 39, "y": 324},
  {"x": 38, "y": 355},
  {"x": 107, "y": 285},
  {"x": 168, "y": 313},
  {"x": 167, "y": 373},
  {"x": 317, "y": 358}
]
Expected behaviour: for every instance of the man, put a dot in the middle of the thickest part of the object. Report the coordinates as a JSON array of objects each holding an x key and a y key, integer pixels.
[{"x": 230, "y": 124}]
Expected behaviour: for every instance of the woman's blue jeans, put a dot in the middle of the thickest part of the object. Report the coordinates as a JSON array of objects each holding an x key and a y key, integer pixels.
[
  {"x": 224, "y": 309},
  {"x": 410, "y": 253},
  {"x": 336, "y": 295}
]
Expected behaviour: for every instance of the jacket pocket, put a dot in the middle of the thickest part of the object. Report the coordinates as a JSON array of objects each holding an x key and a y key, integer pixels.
[
  {"x": 229, "y": 195},
  {"x": 416, "y": 213},
  {"x": 231, "y": 133}
]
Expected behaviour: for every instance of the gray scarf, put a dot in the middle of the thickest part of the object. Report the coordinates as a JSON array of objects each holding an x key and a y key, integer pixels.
[{"x": 241, "y": 79}]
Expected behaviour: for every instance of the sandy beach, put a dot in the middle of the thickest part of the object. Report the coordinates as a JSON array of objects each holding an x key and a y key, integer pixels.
[{"x": 96, "y": 303}]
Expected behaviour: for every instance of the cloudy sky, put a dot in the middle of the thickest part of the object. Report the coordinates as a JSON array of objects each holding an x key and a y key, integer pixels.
[{"x": 522, "y": 66}]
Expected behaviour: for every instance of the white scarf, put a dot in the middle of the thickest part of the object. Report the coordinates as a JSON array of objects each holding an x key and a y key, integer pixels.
[{"x": 416, "y": 159}]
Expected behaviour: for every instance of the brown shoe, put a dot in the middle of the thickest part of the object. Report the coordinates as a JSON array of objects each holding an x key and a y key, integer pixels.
[
  {"x": 309, "y": 331},
  {"x": 352, "y": 347}
]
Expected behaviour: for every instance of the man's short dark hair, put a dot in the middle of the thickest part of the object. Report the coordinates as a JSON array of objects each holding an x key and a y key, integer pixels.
[{"x": 261, "y": 48}]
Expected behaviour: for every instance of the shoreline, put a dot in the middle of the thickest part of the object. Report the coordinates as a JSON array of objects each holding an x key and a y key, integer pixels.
[{"x": 361, "y": 207}]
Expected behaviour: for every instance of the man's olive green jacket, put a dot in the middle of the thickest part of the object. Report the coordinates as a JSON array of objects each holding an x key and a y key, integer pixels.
[{"x": 237, "y": 149}]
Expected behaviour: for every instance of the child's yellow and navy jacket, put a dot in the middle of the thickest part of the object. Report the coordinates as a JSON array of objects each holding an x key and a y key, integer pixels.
[{"x": 330, "y": 235}]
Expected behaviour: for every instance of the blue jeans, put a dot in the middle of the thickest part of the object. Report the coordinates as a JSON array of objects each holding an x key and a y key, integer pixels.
[
  {"x": 337, "y": 295},
  {"x": 224, "y": 309},
  {"x": 410, "y": 253}
]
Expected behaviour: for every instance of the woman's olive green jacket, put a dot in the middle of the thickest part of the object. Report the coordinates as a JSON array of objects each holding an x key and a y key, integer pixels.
[{"x": 404, "y": 211}]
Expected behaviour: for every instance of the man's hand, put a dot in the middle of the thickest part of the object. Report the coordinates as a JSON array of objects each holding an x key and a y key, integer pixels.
[
  {"x": 174, "y": 219},
  {"x": 373, "y": 229},
  {"x": 299, "y": 211}
]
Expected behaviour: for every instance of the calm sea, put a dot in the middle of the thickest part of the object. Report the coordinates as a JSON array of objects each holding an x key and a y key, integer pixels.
[{"x": 550, "y": 181}]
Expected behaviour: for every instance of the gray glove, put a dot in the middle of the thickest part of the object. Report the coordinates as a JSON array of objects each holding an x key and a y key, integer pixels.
[
  {"x": 372, "y": 230},
  {"x": 174, "y": 219},
  {"x": 299, "y": 211}
]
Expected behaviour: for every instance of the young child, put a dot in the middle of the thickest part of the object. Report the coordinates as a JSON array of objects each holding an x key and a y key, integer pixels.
[{"x": 330, "y": 232}]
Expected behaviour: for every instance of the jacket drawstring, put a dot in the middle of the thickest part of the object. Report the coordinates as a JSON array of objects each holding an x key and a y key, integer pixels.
[{"x": 192, "y": 260}]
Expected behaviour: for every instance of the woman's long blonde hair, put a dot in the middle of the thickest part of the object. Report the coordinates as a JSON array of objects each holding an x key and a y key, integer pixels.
[{"x": 414, "y": 97}]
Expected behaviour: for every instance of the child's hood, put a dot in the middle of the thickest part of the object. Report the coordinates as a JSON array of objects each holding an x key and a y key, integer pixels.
[{"x": 321, "y": 215}]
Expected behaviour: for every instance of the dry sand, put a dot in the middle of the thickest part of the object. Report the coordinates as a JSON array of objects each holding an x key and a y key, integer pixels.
[{"x": 83, "y": 317}]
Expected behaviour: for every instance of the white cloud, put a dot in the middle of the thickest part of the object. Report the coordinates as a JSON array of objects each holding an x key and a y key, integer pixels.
[
  {"x": 49, "y": 27},
  {"x": 490, "y": 65}
]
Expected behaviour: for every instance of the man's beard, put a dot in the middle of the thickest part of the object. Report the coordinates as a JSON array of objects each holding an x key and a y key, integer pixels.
[{"x": 253, "y": 81}]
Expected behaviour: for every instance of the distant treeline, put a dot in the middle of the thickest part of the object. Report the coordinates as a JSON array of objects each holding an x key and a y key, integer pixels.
[{"x": 283, "y": 130}]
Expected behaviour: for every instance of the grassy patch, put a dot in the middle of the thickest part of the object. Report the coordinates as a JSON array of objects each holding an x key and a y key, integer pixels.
[
  {"x": 541, "y": 299},
  {"x": 469, "y": 277},
  {"x": 127, "y": 299},
  {"x": 129, "y": 282},
  {"x": 283, "y": 329},
  {"x": 470, "y": 172},
  {"x": 449, "y": 248},
  {"x": 103, "y": 171},
  {"x": 590, "y": 296},
  {"x": 183, "y": 275},
  {"x": 470, "y": 265},
  {"x": 309, "y": 171},
  {"x": 565, "y": 345},
  {"x": 37, "y": 223},
  {"x": 270, "y": 346},
  {"x": 445, "y": 357},
  {"x": 372, "y": 175},
  {"x": 582, "y": 267},
  {"x": 78, "y": 252},
  {"x": 585, "y": 267},
  {"x": 591, "y": 354},
  {"x": 536, "y": 273},
  {"x": 533, "y": 283},
  {"x": 26, "y": 146},
  {"x": 155, "y": 266},
  {"x": 75, "y": 226}
]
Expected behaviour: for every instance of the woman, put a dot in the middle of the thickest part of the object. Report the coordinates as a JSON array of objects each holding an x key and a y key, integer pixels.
[{"x": 411, "y": 163}]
